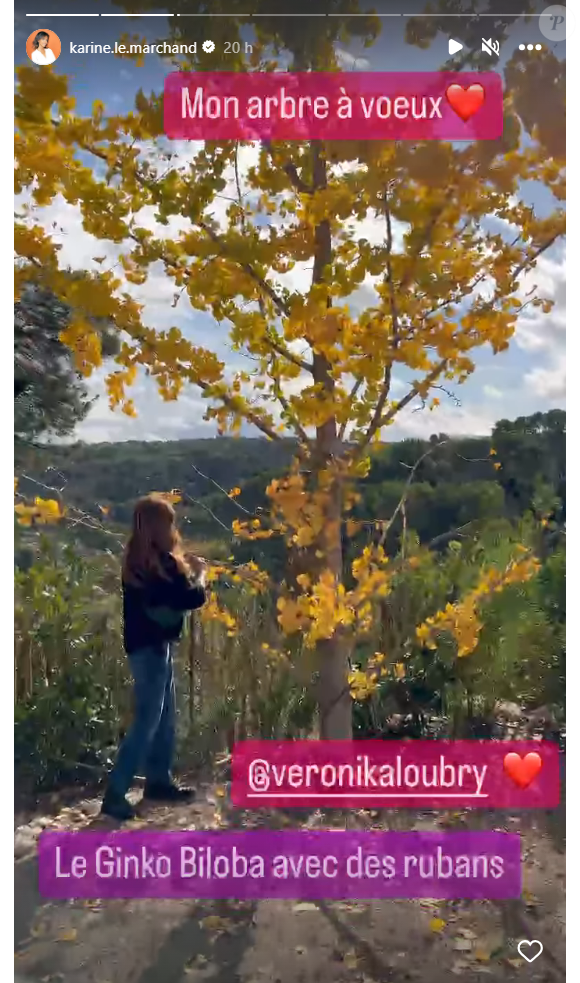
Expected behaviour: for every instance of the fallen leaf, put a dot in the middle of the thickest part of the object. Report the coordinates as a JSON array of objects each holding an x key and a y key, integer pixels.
[
  {"x": 460, "y": 967},
  {"x": 437, "y": 924},
  {"x": 69, "y": 935},
  {"x": 93, "y": 905},
  {"x": 482, "y": 956},
  {"x": 350, "y": 960},
  {"x": 300, "y": 950},
  {"x": 462, "y": 945},
  {"x": 516, "y": 963},
  {"x": 198, "y": 960},
  {"x": 530, "y": 899},
  {"x": 305, "y": 906},
  {"x": 214, "y": 923}
]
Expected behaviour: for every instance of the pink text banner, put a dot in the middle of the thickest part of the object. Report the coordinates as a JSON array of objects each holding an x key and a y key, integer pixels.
[
  {"x": 279, "y": 864},
  {"x": 333, "y": 106},
  {"x": 413, "y": 774}
]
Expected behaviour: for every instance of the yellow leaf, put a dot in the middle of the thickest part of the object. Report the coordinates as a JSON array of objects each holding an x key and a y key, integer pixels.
[
  {"x": 399, "y": 670},
  {"x": 214, "y": 923},
  {"x": 437, "y": 924},
  {"x": 235, "y": 492},
  {"x": 350, "y": 960},
  {"x": 173, "y": 497},
  {"x": 69, "y": 935}
]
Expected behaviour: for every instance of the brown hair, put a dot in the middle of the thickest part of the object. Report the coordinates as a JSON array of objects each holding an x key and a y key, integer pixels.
[{"x": 154, "y": 535}]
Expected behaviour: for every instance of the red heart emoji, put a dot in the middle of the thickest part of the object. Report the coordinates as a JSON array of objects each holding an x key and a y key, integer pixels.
[
  {"x": 522, "y": 771},
  {"x": 465, "y": 102}
]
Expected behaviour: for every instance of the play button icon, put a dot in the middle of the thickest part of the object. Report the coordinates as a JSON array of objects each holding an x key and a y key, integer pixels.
[{"x": 454, "y": 46}]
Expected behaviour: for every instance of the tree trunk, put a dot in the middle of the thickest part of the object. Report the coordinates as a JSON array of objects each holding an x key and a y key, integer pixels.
[
  {"x": 333, "y": 695},
  {"x": 334, "y": 700}
]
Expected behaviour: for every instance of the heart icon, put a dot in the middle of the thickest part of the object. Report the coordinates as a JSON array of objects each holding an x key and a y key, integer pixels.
[
  {"x": 525, "y": 942},
  {"x": 522, "y": 771},
  {"x": 465, "y": 102}
]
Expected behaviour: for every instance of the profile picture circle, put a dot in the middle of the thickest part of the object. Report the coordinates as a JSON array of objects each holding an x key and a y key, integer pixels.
[{"x": 43, "y": 47}]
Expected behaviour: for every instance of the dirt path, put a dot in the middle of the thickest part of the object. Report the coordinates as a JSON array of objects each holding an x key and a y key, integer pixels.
[{"x": 285, "y": 941}]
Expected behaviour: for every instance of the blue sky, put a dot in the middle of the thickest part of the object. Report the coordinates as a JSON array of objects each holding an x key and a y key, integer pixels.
[{"x": 529, "y": 377}]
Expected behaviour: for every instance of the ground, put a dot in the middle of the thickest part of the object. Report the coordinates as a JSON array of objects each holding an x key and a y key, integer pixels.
[{"x": 288, "y": 941}]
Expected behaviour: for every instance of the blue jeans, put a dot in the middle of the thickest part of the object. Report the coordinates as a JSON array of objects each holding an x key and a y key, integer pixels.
[{"x": 150, "y": 741}]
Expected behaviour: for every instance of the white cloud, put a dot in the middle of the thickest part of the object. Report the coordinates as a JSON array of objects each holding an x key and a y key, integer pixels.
[
  {"x": 549, "y": 383},
  {"x": 457, "y": 421},
  {"x": 492, "y": 392},
  {"x": 545, "y": 334},
  {"x": 546, "y": 280},
  {"x": 351, "y": 62},
  {"x": 155, "y": 420}
]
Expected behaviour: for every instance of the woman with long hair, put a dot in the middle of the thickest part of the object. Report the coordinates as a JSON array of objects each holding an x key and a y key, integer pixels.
[
  {"x": 42, "y": 55},
  {"x": 159, "y": 585}
]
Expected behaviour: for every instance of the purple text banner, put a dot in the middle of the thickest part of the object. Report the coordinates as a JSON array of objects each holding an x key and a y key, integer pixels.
[
  {"x": 333, "y": 106},
  {"x": 411, "y": 774},
  {"x": 279, "y": 864}
]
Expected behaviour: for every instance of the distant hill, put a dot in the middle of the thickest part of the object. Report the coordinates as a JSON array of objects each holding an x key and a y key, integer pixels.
[{"x": 457, "y": 482}]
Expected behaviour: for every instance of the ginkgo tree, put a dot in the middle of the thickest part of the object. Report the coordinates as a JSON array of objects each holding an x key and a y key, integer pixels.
[{"x": 415, "y": 303}]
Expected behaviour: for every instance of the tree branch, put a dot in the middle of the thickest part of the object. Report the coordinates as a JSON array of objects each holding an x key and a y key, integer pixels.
[
  {"x": 288, "y": 410},
  {"x": 352, "y": 395},
  {"x": 279, "y": 304},
  {"x": 248, "y": 414},
  {"x": 401, "y": 503},
  {"x": 291, "y": 170},
  {"x": 394, "y": 321},
  {"x": 220, "y": 488}
]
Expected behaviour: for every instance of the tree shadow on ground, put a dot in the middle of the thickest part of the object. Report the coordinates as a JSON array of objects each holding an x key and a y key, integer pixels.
[
  {"x": 189, "y": 941},
  {"x": 369, "y": 960}
]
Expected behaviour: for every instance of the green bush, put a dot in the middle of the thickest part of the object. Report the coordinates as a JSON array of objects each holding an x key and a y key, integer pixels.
[{"x": 65, "y": 730}]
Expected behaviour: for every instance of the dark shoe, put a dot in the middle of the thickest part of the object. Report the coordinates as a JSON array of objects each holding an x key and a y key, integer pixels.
[
  {"x": 117, "y": 806},
  {"x": 168, "y": 793}
]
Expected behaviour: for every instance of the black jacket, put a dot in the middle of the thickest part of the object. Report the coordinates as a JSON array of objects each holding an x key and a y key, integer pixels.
[{"x": 153, "y": 611}]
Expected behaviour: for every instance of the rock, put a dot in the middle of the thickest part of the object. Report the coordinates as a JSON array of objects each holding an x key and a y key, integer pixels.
[{"x": 24, "y": 841}]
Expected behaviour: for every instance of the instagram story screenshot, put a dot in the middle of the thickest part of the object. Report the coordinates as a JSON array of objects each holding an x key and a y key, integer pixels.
[{"x": 289, "y": 510}]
